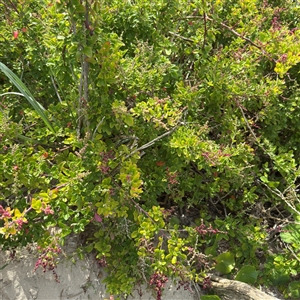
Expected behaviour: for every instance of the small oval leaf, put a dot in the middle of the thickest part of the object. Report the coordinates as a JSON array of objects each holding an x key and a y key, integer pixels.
[{"x": 247, "y": 274}]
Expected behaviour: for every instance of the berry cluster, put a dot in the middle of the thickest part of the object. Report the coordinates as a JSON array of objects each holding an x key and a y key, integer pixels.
[
  {"x": 102, "y": 262},
  {"x": 158, "y": 280},
  {"x": 48, "y": 260},
  {"x": 204, "y": 230},
  {"x": 276, "y": 24},
  {"x": 172, "y": 177},
  {"x": 106, "y": 157},
  {"x": 206, "y": 283},
  {"x": 10, "y": 220},
  {"x": 47, "y": 209},
  {"x": 199, "y": 259},
  {"x": 185, "y": 284},
  {"x": 5, "y": 213}
]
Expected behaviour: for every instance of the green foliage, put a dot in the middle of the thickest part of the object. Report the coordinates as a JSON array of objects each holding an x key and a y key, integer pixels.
[
  {"x": 294, "y": 290},
  {"x": 25, "y": 93},
  {"x": 169, "y": 129},
  {"x": 247, "y": 274},
  {"x": 291, "y": 234},
  {"x": 225, "y": 262},
  {"x": 210, "y": 297}
]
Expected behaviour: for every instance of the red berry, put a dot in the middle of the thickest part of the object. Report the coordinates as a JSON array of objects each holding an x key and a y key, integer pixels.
[{"x": 16, "y": 34}]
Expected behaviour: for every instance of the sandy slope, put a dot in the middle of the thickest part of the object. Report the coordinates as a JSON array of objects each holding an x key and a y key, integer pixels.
[{"x": 79, "y": 281}]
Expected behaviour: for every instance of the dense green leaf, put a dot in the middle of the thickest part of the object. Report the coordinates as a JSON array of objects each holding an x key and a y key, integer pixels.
[
  {"x": 175, "y": 125},
  {"x": 225, "y": 262},
  {"x": 294, "y": 289},
  {"x": 247, "y": 274},
  {"x": 291, "y": 234}
]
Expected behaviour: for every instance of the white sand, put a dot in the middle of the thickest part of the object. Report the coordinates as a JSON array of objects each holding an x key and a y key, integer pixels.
[{"x": 79, "y": 281}]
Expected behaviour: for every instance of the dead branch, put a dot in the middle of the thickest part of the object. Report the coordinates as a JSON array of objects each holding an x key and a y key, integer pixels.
[{"x": 236, "y": 290}]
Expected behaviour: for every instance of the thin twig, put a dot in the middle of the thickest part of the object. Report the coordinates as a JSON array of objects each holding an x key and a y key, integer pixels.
[
  {"x": 80, "y": 104},
  {"x": 149, "y": 144},
  {"x": 188, "y": 17},
  {"x": 145, "y": 146},
  {"x": 251, "y": 130},
  {"x": 55, "y": 88},
  {"x": 242, "y": 37},
  {"x": 293, "y": 253},
  {"x": 12, "y": 93},
  {"x": 94, "y": 133},
  {"x": 181, "y": 37},
  {"x": 280, "y": 195},
  {"x": 142, "y": 210},
  {"x": 13, "y": 6},
  {"x": 197, "y": 289},
  {"x": 205, "y": 26}
]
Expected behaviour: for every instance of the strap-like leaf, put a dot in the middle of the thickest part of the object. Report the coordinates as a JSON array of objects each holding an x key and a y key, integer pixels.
[{"x": 16, "y": 81}]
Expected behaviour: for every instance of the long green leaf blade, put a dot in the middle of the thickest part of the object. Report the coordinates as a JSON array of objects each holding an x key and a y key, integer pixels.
[{"x": 16, "y": 81}]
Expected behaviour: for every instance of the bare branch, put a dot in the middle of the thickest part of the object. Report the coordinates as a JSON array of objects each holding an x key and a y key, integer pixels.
[
  {"x": 280, "y": 195},
  {"x": 55, "y": 88},
  {"x": 13, "y": 6},
  {"x": 293, "y": 253},
  {"x": 149, "y": 144},
  {"x": 181, "y": 37},
  {"x": 242, "y": 37}
]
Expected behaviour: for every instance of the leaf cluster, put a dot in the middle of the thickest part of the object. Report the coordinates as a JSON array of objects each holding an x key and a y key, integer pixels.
[{"x": 163, "y": 133}]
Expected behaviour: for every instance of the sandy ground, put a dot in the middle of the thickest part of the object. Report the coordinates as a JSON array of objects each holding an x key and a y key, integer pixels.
[{"x": 81, "y": 280}]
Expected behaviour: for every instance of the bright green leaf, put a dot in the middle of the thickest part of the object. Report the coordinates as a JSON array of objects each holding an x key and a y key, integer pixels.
[
  {"x": 225, "y": 262},
  {"x": 88, "y": 51},
  {"x": 36, "y": 204},
  {"x": 247, "y": 274}
]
